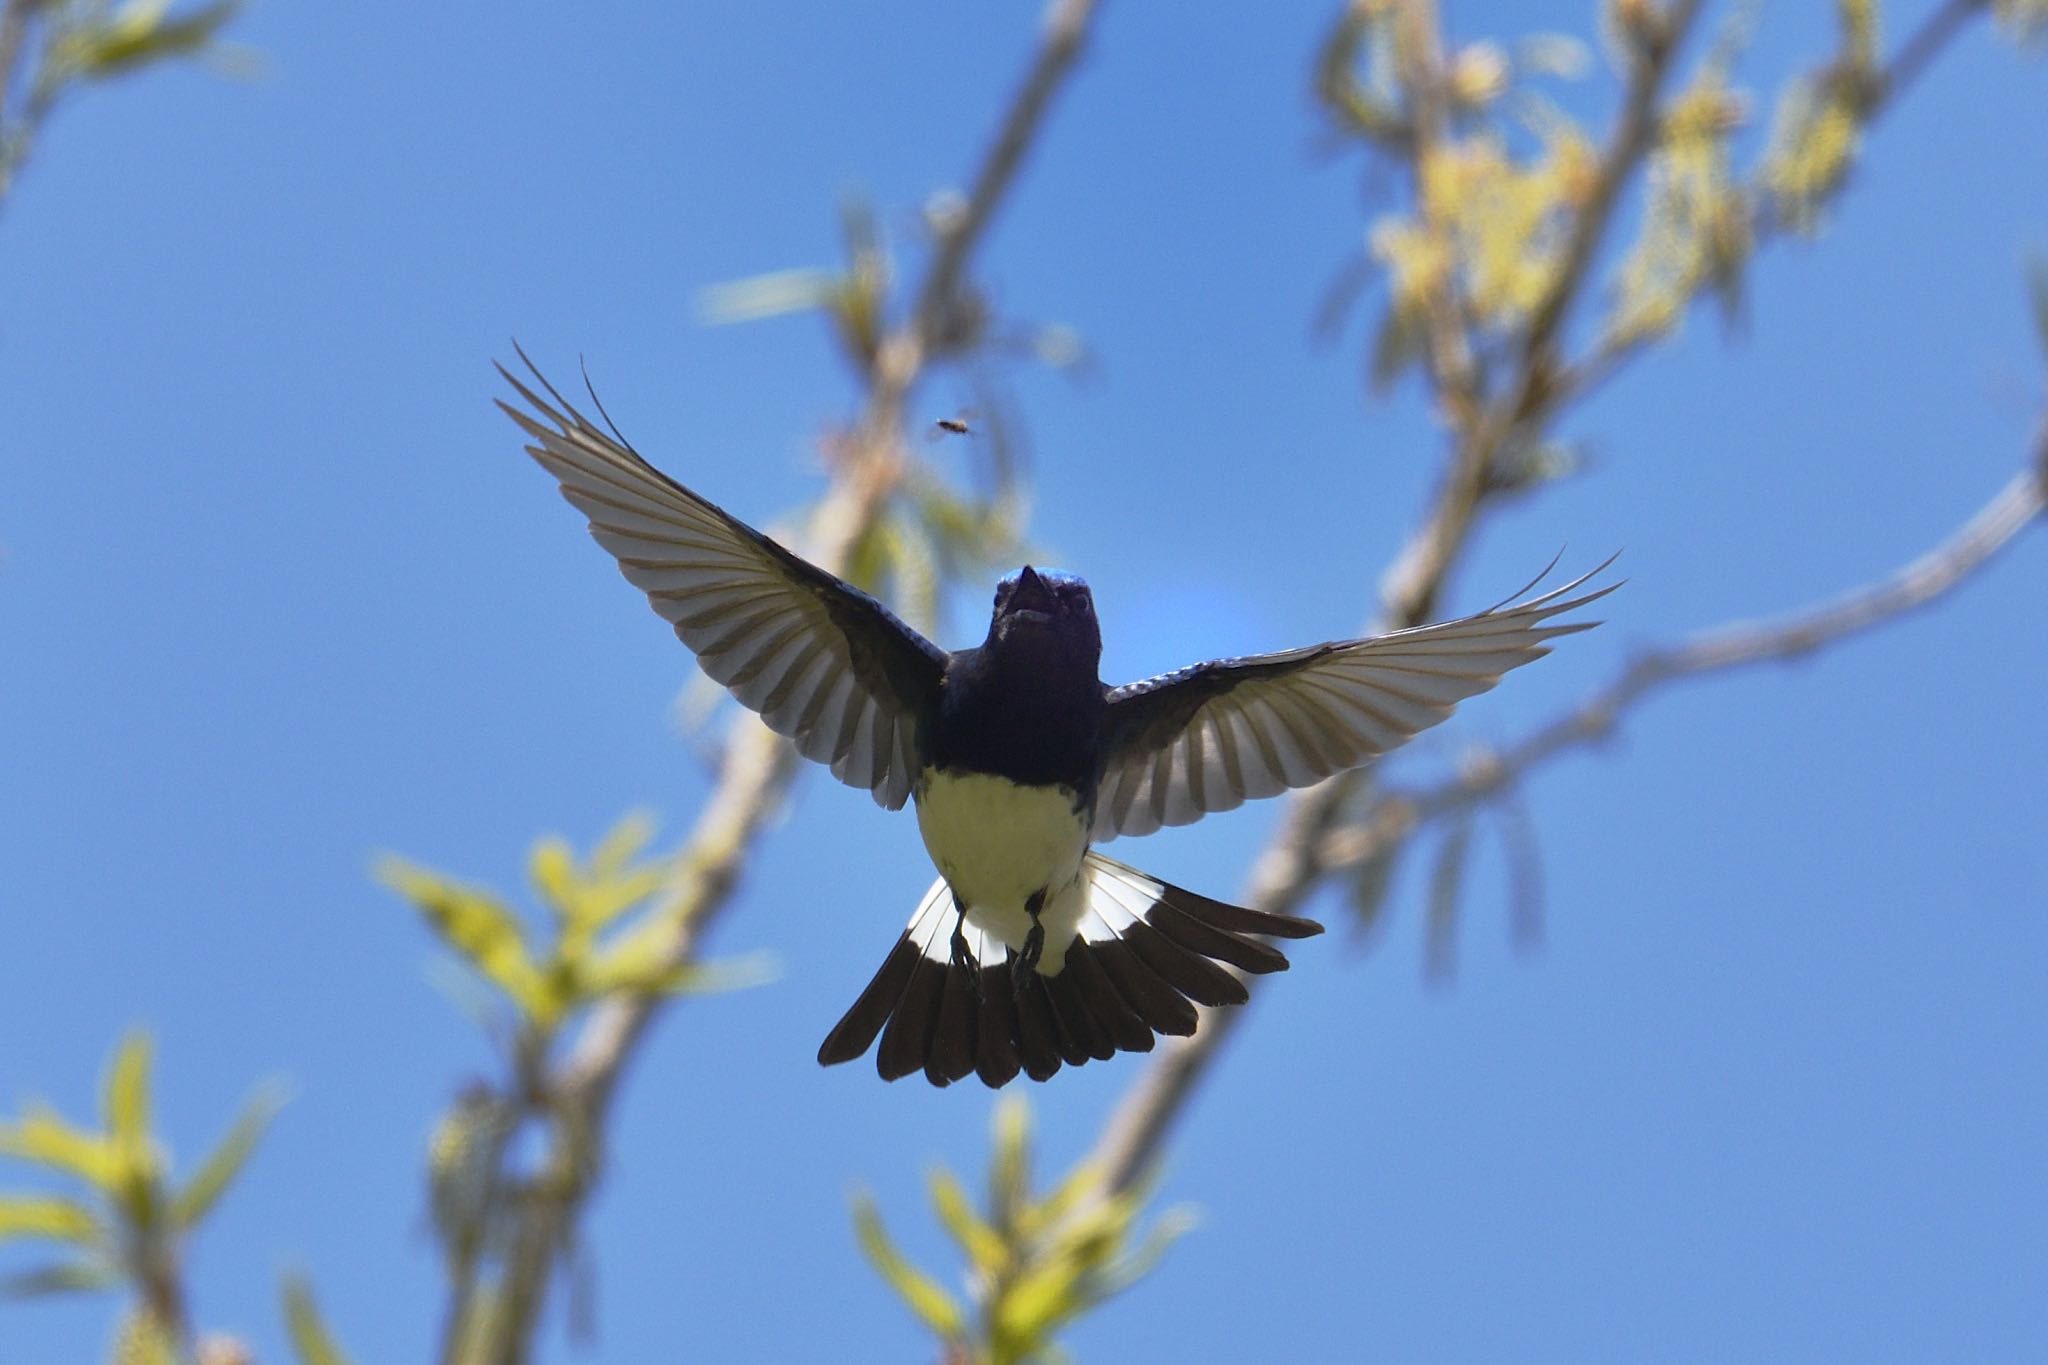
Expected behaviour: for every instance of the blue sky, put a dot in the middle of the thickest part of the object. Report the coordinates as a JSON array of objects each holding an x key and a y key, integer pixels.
[{"x": 280, "y": 592}]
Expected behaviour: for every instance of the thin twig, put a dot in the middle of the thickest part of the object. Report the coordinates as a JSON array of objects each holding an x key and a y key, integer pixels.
[
  {"x": 759, "y": 766},
  {"x": 1918, "y": 52}
]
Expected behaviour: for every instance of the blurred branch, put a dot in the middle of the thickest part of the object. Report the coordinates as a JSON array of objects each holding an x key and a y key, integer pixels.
[
  {"x": 1304, "y": 852},
  {"x": 1415, "y": 585},
  {"x": 1486, "y": 773},
  {"x": 758, "y": 767},
  {"x": 1915, "y": 55},
  {"x": 124, "y": 1220},
  {"x": 1918, "y": 52},
  {"x": 1523, "y": 399}
]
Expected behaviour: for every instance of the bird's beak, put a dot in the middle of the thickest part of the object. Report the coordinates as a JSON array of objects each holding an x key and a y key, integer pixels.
[{"x": 1033, "y": 593}]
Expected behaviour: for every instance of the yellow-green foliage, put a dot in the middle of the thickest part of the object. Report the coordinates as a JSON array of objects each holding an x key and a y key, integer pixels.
[
  {"x": 610, "y": 933},
  {"x": 311, "y": 1341},
  {"x": 95, "y": 40},
  {"x": 124, "y": 1219},
  {"x": 82, "y": 41},
  {"x": 1697, "y": 223},
  {"x": 1487, "y": 229},
  {"x": 1033, "y": 1263},
  {"x": 1819, "y": 127}
]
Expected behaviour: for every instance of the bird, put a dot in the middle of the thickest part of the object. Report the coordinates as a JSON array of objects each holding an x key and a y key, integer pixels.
[{"x": 1032, "y": 949}]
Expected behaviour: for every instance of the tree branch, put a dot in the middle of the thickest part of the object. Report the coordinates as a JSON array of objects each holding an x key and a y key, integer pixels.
[
  {"x": 1298, "y": 858},
  {"x": 1301, "y": 855},
  {"x": 1485, "y": 773},
  {"x": 759, "y": 766},
  {"x": 1582, "y": 378},
  {"x": 1415, "y": 583}
]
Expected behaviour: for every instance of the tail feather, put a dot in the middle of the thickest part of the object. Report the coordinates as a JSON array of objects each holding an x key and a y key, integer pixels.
[
  {"x": 1140, "y": 954},
  {"x": 1193, "y": 975},
  {"x": 1164, "y": 1009},
  {"x": 856, "y": 1031},
  {"x": 952, "y": 1048},
  {"x": 1192, "y": 934},
  {"x": 907, "y": 1041},
  {"x": 1090, "y": 1037},
  {"x": 997, "y": 1059},
  {"x": 1114, "y": 1014}
]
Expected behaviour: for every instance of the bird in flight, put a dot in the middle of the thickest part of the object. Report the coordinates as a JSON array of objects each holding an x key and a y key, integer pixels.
[{"x": 1032, "y": 949}]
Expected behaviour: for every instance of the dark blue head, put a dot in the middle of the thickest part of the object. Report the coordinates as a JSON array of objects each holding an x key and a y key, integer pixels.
[{"x": 1051, "y": 613}]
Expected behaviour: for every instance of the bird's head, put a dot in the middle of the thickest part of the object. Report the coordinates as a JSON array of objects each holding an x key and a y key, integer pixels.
[{"x": 1046, "y": 611}]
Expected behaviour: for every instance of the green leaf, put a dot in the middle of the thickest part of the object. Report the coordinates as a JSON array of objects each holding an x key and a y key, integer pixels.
[
  {"x": 590, "y": 898},
  {"x": 311, "y": 1341},
  {"x": 47, "y": 1216},
  {"x": 45, "y": 1138},
  {"x": 225, "y": 1161},
  {"x": 634, "y": 967},
  {"x": 1038, "y": 1301},
  {"x": 1083, "y": 1181},
  {"x": 553, "y": 869},
  {"x": 127, "y": 1092},
  {"x": 65, "y": 1277},
  {"x": 478, "y": 926},
  {"x": 767, "y": 296},
  {"x": 137, "y": 36},
  {"x": 983, "y": 1244},
  {"x": 626, "y": 841},
  {"x": 1009, "y": 1173},
  {"x": 1126, "y": 1271},
  {"x": 933, "y": 1305}
]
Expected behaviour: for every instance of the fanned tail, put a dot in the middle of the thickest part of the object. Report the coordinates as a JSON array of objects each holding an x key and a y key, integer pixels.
[{"x": 1140, "y": 954}]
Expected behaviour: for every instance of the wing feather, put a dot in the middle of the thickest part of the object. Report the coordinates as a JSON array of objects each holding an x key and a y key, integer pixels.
[
  {"x": 1209, "y": 738},
  {"x": 821, "y": 661}
]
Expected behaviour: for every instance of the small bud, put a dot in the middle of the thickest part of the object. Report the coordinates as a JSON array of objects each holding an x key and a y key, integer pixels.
[{"x": 1479, "y": 74}]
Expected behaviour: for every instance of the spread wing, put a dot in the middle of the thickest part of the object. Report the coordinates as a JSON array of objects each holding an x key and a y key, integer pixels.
[
  {"x": 1211, "y": 737},
  {"x": 820, "y": 660}
]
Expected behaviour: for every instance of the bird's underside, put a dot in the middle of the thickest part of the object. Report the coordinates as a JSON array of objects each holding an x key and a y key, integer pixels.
[
  {"x": 1142, "y": 955},
  {"x": 1019, "y": 758}
]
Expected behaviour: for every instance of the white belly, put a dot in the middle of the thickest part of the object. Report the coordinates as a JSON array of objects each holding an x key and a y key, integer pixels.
[{"x": 997, "y": 843}]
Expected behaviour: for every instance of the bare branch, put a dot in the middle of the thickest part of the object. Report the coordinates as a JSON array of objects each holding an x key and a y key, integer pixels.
[{"x": 1935, "y": 574}]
